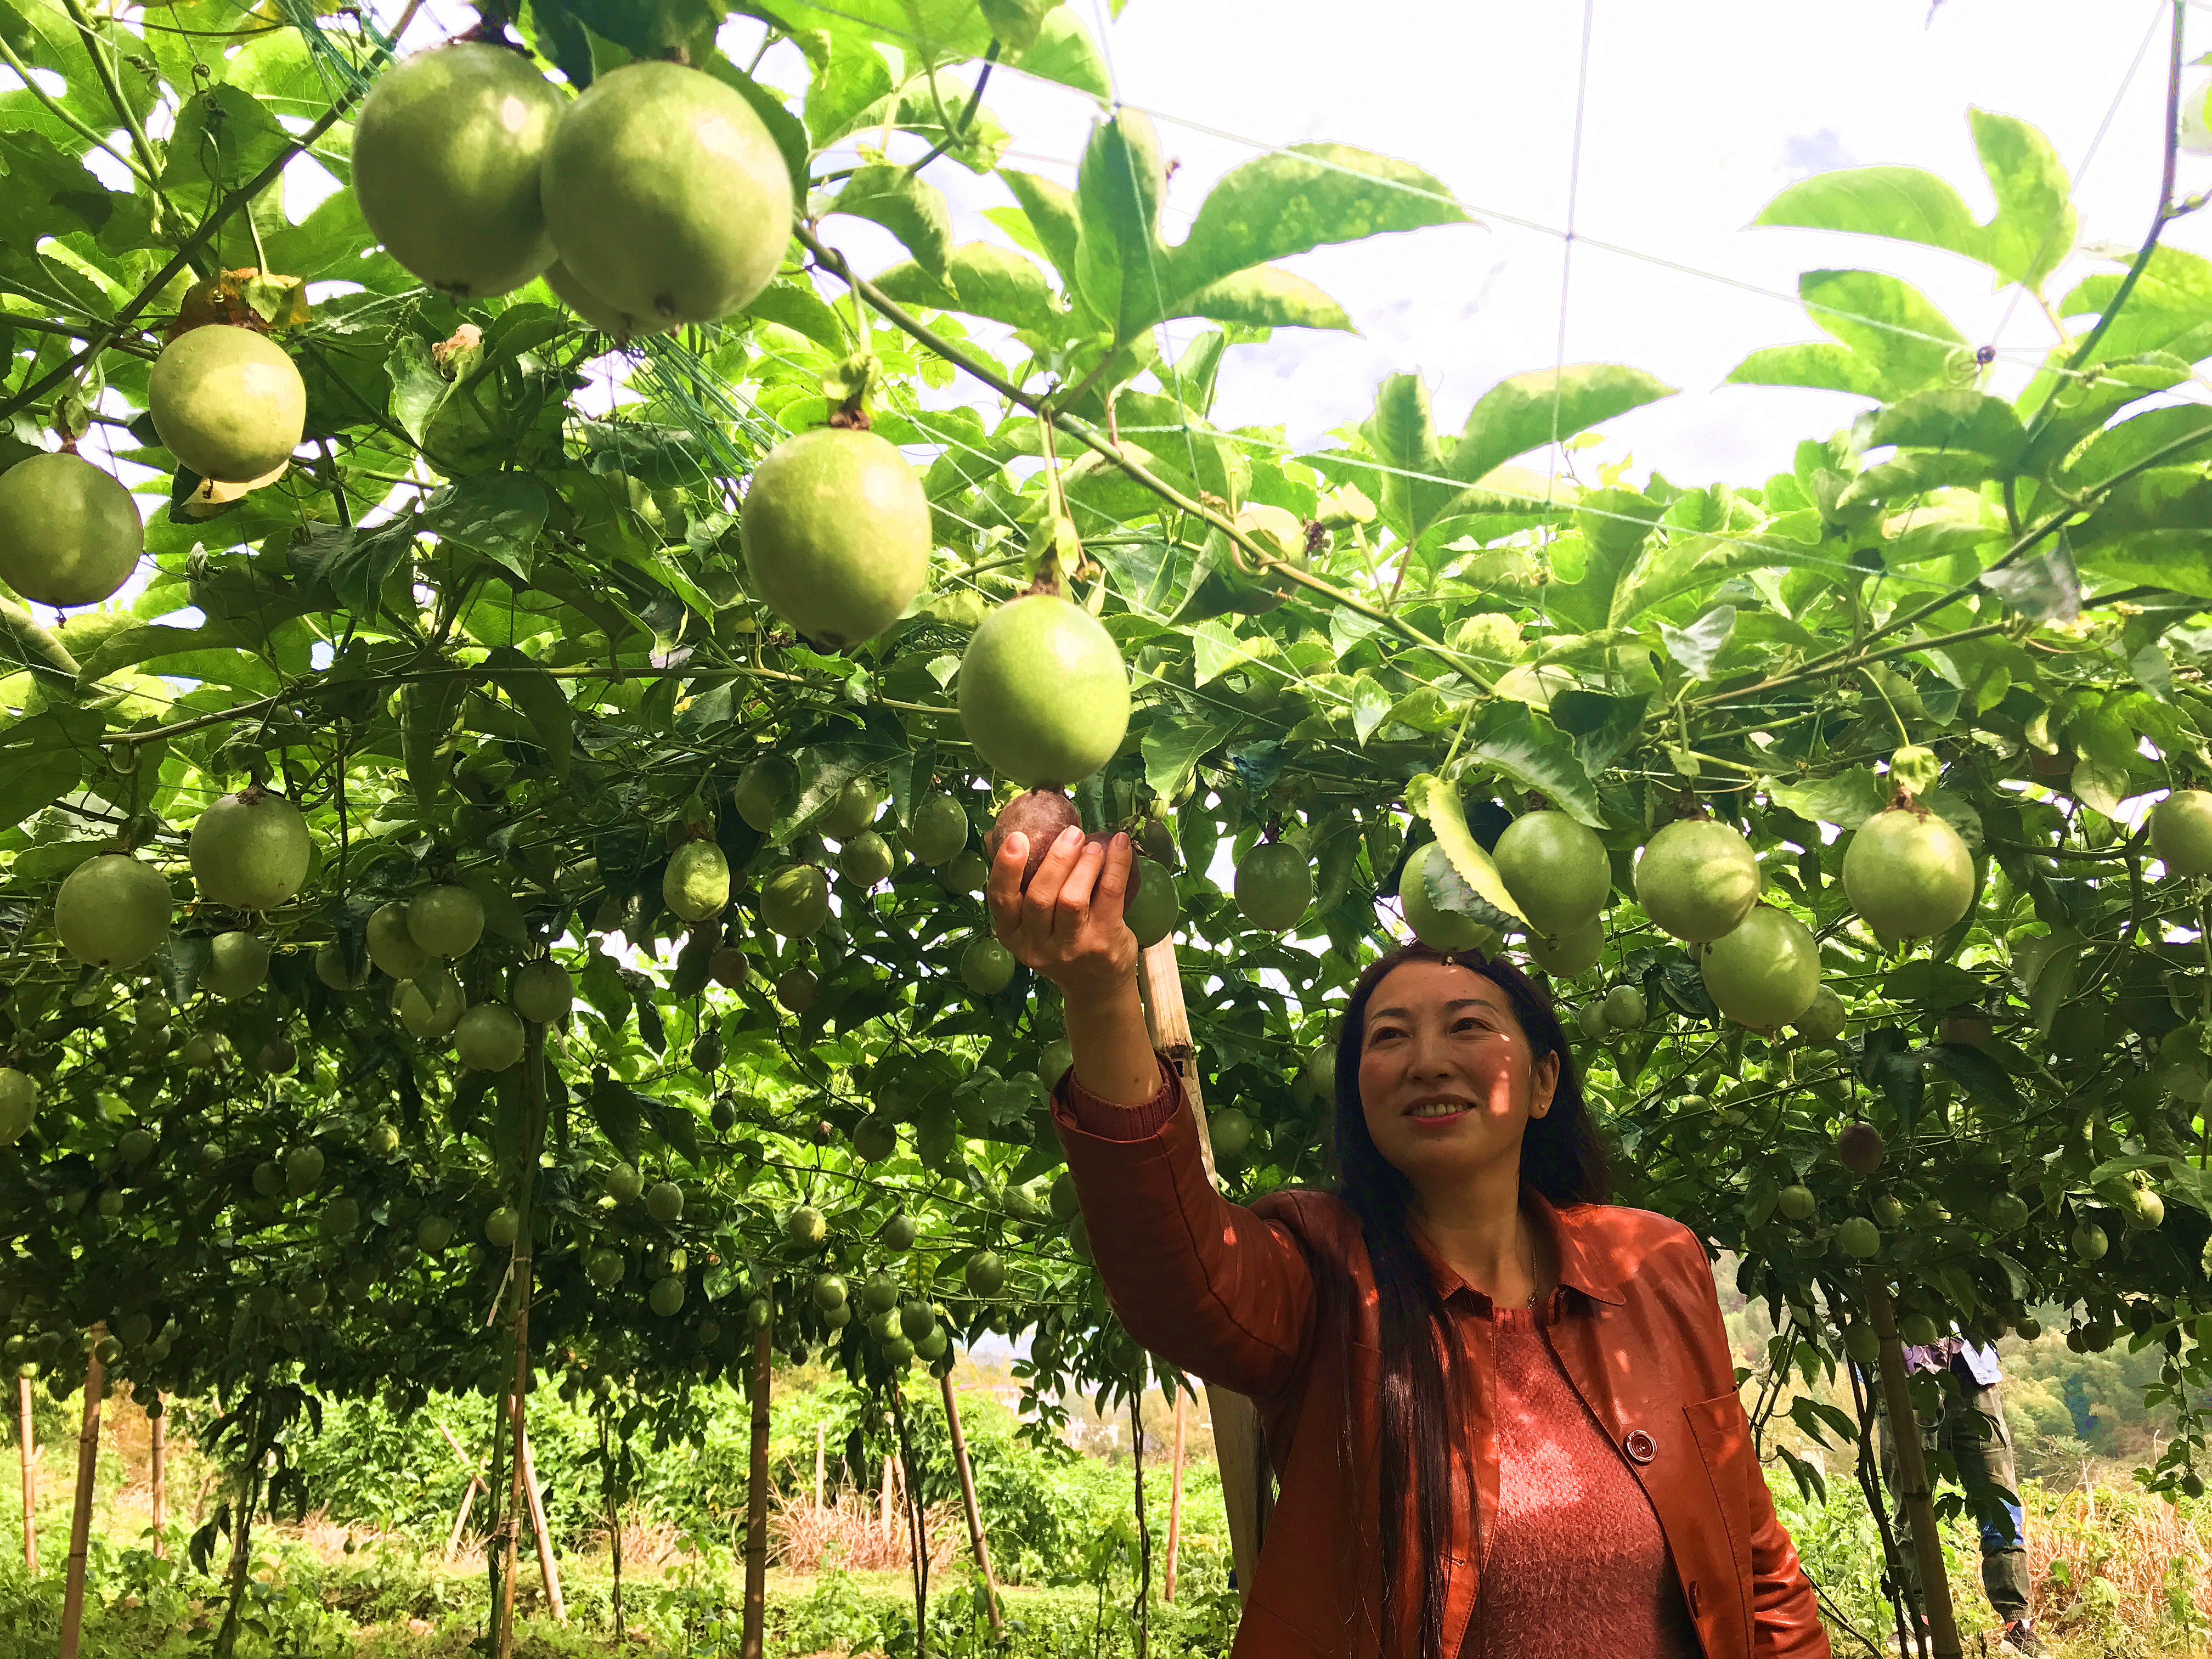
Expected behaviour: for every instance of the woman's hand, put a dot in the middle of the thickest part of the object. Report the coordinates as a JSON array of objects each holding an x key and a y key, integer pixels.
[
  {"x": 1068, "y": 928},
  {"x": 1068, "y": 925}
]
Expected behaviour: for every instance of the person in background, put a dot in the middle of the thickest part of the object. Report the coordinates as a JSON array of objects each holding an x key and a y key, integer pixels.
[{"x": 1971, "y": 1427}]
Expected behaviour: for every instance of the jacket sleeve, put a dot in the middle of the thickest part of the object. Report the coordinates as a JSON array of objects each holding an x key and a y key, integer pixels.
[
  {"x": 1786, "y": 1614},
  {"x": 1205, "y": 1284}
]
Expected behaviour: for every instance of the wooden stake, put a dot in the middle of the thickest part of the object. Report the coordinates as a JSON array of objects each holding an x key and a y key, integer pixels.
[
  {"x": 548, "y": 1569},
  {"x": 756, "y": 1623},
  {"x": 819, "y": 1447},
  {"x": 886, "y": 1494},
  {"x": 461, "y": 1521},
  {"x": 968, "y": 1498},
  {"x": 521, "y": 1274},
  {"x": 1175, "y": 1498},
  {"x": 157, "y": 1435},
  {"x": 87, "y": 1469},
  {"x": 30, "y": 1476},
  {"x": 1912, "y": 1473},
  {"x": 1245, "y": 1490}
]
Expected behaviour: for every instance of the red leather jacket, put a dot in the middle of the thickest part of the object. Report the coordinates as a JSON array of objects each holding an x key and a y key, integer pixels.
[{"x": 1229, "y": 1294}]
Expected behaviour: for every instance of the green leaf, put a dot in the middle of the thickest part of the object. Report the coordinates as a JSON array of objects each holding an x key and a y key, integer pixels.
[
  {"x": 797, "y": 306},
  {"x": 2033, "y": 229},
  {"x": 1062, "y": 52},
  {"x": 1934, "y": 985},
  {"x": 542, "y": 703},
  {"x": 427, "y": 709},
  {"x": 2139, "y": 437},
  {"x": 1847, "y": 801},
  {"x": 2041, "y": 586},
  {"x": 27, "y": 643},
  {"x": 1172, "y": 749},
  {"x": 789, "y": 133},
  {"x": 1016, "y": 23},
  {"x": 1821, "y": 364},
  {"x": 1408, "y": 466},
  {"x": 854, "y": 77},
  {"x": 982, "y": 279},
  {"x": 1525, "y": 749},
  {"x": 127, "y": 647},
  {"x": 1903, "y": 203},
  {"x": 1952, "y": 417},
  {"x": 1697, "y": 646},
  {"x": 496, "y": 514},
  {"x": 1488, "y": 902},
  {"x": 1304, "y": 197},
  {"x": 1265, "y": 296},
  {"x": 224, "y": 136},
  {"x": 909, "y": 208},
  {"x": 1979, "y": 1074},
  {"x": 35, "y": 778},
  {"x": 1052, "y": 217},
  {"x": 1119, "y": 264},
  {"x": 1527, "y": 411}
]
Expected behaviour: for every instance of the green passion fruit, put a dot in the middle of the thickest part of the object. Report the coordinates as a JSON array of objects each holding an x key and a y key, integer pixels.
[
  {"x": 796, "y": 988},
  {"x": 1274, "y": 885},
  {"x": 227, "y": 403},
  {"x": 1152, "y": 906},
  {"x": 1763, "y": 972},
  {"x": 794, "y": 902},
  {"x": 429, "y": 1005},
  {"x": 764, "y": 789},
  {"x": 595, "y": 310},
  {"x": 237, "y": 966},
  {"x": 249, "y": 850},
  {"x": 1434, "y": 926},
  {"x": 446, "y": 920},
  {"x": 1556, "y": 869},
  {"x": 986, "y": 966},
  {"x": 1283, "y": 535},
  {"x": 696, "y": 883},
  {"x": 1823, "y": 1019},
  {"x": 1696, "y": 879},
  {"x": 663, "y": 1203},
  {"x": 836, "y": 534},
  {"x": 866, "y": 860},
  {"x": 1858, "y": 1236},
  {"x": 2180, "y": 826},
  {"x": 18, "y": 1104},
  {"x": 70, "y": 534},
  {"x": 542, "y": 991},
  {"x": 390, "y": 946},
  {"x": 666, "y": 197},
  {"x": 937, "y": 830},
  {"x": 112, "y": 911},
  {"x": 1572, "y": 954},
  {"x": 330, "y": 968},
  {"x": 1908, "y": 873},
  {"x": 488, "y": 1037},
  {"x": 852, "y": 810},
  {"x": 446, "y": 152},
  {"x": 1043, "y": 694}
]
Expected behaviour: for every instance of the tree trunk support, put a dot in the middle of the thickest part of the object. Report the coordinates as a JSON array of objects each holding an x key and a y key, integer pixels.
[
  {"x": 756, "y": 1622},
  {"x": 468, "y": 1497},
  {"x": 87, "y": 1469},
  {"x": 1913, "y": 1475},
  {"x": 30, "y": 1451},
  {"x": 1245, "y": 1490},
  {"x": 967, "y": 1497},
  {"x": 521, "y": 1274},
  {"x": 157, "y": 1435},
  {"x": 1175, "y": 1497},
  {"x": 548, "y": 1569}
]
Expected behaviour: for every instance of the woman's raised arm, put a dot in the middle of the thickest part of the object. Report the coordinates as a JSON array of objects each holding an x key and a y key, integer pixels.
[{"x": 1217, "y": 1290}]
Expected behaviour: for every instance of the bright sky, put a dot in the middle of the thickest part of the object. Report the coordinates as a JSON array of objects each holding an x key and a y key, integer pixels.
[{"x": 1696, "y": 114}]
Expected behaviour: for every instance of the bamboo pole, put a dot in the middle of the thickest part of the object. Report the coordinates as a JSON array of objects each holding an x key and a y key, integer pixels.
[
  {"x": 885, "y": 1494},
  {"x": 820, "y": 1447},
  {"x": 1913, "y": 1475},
  {"x": 756, "y": 1623},
  {"x": 522, "y": 1273},
  {"x": 30, "y": 1452},
  {"x": 1238, "y": 1448},
  {"x": 548, "y": 1569},
  {"x": 157, "y": 1435},
  {"x": 1175, "y": 1497},
  {"x": 87, "y": 1469},
  {"x": 968, "y": 1498}
]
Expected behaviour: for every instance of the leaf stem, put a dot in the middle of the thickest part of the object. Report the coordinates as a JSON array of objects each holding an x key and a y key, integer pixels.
[{"x": 95, "y": 49}]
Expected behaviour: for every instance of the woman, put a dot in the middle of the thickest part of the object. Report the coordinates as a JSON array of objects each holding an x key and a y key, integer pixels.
[{"x": 1503, "y": 1414}]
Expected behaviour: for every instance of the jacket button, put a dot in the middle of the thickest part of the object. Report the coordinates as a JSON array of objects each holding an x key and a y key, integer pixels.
[{"x": 1640, "y": 1447}]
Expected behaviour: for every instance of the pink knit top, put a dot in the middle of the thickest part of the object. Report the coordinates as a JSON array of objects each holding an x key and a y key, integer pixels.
[{"x": 1573, "y": 1562}]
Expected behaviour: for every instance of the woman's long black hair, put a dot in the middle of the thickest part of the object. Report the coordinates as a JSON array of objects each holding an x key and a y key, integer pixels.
[{"x": 1422, "y": 1427}]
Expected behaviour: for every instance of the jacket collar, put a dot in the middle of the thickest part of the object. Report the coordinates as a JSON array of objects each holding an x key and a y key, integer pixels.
[{"x": 1584, "y": 1264}]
